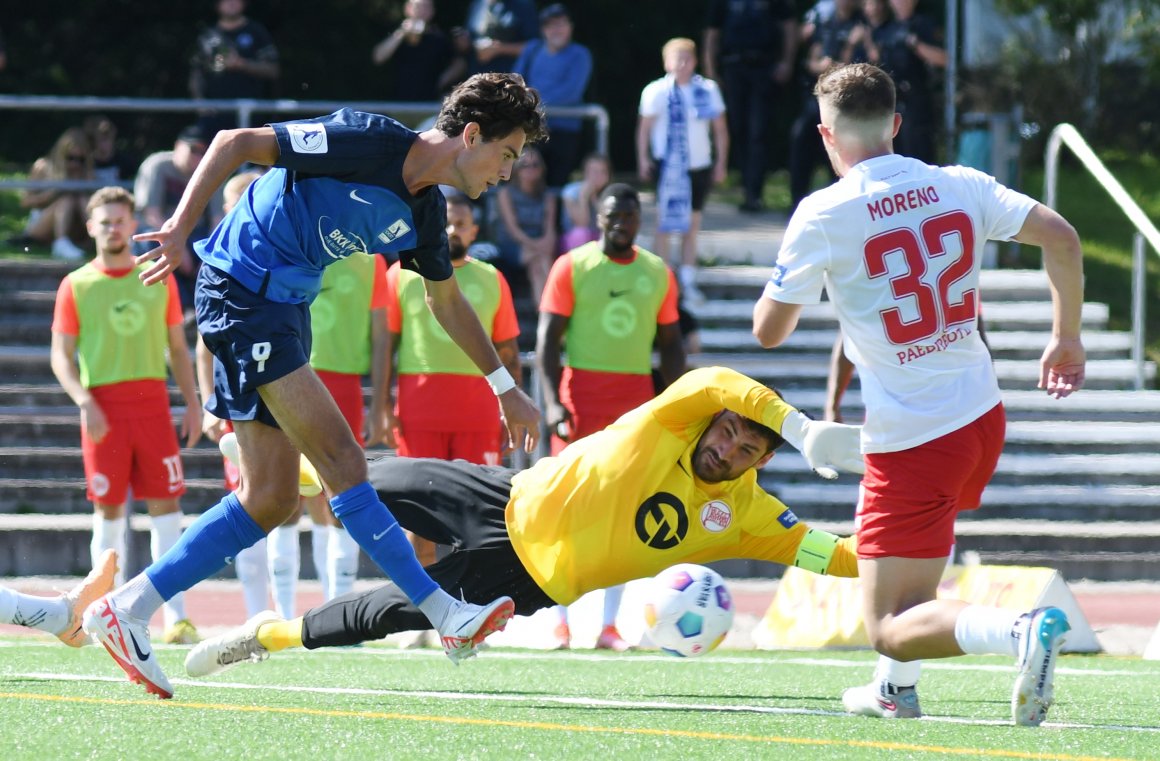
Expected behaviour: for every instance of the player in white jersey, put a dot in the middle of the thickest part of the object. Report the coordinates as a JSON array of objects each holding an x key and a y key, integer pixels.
[{"x": 898, "y": 245}]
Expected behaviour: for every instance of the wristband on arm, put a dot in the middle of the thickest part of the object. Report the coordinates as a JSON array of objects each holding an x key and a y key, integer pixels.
[{"x": 500, "y": 380}]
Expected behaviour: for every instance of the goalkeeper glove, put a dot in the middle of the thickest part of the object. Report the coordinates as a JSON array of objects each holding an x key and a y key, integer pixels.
[{"x": 827, "y": 447}]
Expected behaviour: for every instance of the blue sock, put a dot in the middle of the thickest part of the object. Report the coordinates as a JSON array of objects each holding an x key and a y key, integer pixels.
[
  {"x": 371, "y": 524},
  {"x": 205, "y": 548}
]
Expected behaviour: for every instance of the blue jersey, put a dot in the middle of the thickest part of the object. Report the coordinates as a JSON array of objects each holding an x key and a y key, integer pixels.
[{"x": 336, "y": 188}]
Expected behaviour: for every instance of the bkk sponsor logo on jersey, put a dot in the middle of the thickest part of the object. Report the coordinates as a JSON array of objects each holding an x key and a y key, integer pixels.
[{"x": 337, "y": 243}]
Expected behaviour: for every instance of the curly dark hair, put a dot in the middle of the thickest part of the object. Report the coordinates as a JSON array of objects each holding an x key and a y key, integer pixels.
[{"x": 499, "y": 103}]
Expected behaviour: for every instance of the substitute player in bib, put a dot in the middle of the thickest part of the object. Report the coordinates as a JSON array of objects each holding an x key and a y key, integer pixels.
[
  {"x": 672, "y": 481},
  {"x": 607, "y": 301},
  {"x": 897, "y": 245},
  {"x": 345, "y": 183},
  {"x": 111, "y": 337}
]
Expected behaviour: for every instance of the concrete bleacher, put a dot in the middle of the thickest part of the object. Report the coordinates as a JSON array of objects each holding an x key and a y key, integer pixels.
[{"x": 1078, "y": 486}]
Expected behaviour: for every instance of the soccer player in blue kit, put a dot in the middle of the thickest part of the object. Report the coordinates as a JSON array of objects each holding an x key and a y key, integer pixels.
[{"x": 342, "y": 183}]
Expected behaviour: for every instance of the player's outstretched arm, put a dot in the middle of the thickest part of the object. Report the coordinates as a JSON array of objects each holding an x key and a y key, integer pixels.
[
  {"x": 228, "y": 151},
  {"x": 1061, "y": 369}
]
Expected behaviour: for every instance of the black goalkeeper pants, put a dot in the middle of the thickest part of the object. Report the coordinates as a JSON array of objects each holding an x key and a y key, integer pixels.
[{"x": 455, "y": 503}]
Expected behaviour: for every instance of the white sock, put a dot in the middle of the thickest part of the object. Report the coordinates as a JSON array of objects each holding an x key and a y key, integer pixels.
[
  {"x": 285, "y": 562},
  {"x": 438, "y": 607},
  {"x": 344, "y": 557},
  {"x": 320, "y": 552},
  {"x": 48, "y": 614},
  {"x": 898, "y": 673},
  {"x": 687, "y": 274},
  {"x": 562, "y": 614},
  {"x": 612, "y": 597},
  {"x": 982, "y": 630},
  {"x": 165, "y": 531},
  {"x": 109, "y": 535},
  {"x": 138, "y": 598},
  {"x": 250, "y": 567}
]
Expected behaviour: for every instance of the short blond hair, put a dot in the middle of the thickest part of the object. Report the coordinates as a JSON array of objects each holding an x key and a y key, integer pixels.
[
  {"x": 678, "y": 45},
  {"x": 110, "y": 194}
]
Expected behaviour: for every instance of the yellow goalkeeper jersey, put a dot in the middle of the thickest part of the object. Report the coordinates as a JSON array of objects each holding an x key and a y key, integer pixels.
[{"x": 624, "y": 503}]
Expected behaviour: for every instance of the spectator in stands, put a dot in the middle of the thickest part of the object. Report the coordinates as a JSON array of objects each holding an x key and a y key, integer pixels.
[
  {"x": 60, "y": 615},
  {"x": 526, "y": 233},
  {"x": 110, "y": 166},
  {"x": 57, "y": 217},
  {"x": 234, "y": 58},
  {"x": 580, "y": 200},
  {"x": 559, "y": 69},
  {"x": 833, "y": 42},
  {"x": 160, "y": 182},
  {"x": 609, "y": 359},
  {"x": 495, "y": 33},
  {"x": 755, "y": 43},
  {"x": 111, "y": 337},
  {"x": 3, "y": 54},
  {"x": 424, "y": 63},
  {"x": 909, "y": 47},
  {"x": 673, "y": 147}
]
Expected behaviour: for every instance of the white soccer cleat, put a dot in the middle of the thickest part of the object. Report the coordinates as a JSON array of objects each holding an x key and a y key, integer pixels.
[
  {"x": 868, "y": 700},
  {"x": 127, "y": 640},
  {"x": 98, "y": 583},
  {"x": 238, "y": 645},
  {"x": 471, "y": 624},
  {"x": 1034, "y": 687}
]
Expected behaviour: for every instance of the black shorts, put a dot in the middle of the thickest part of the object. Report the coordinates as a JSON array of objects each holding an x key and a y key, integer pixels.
[
  {"x": 456, "y": 503},
  {"x": 700, "y": 179},
  {"x": 254, "y": 341}
]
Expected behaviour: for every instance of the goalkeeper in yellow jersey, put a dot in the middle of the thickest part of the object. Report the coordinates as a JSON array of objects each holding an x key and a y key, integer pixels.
[{"x": 672, "y": 481}]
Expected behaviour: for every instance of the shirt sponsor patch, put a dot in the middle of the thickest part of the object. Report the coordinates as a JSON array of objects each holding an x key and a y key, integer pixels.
[
  {"x": 778, "y": 275},
  {"x": 307, "y": 138},
  {"x": 787, "y": 519},
  {"x": 398, "y": 229}
]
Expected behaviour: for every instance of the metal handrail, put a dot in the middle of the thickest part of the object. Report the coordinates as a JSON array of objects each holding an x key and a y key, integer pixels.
[
  {"x": 245, "y": 108},
  {"x": 1066, "y": 134}
]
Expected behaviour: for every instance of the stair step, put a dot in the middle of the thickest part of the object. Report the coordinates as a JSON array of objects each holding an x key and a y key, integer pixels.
[
  {"x": 999, "y": 315},
  {"x": 787, "y": 370},
  {"x": 1014, "y": 344}
]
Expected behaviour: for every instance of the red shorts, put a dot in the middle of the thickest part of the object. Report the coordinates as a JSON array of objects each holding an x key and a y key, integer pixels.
[
  {"x": 473, "y": 446},
  {"x": 139, "y": 452},
  {"x": 909, "y": 499},
  {"x": 347, "y": 392}
]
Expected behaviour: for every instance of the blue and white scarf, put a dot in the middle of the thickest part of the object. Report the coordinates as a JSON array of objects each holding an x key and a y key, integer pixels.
[{"x": 674, "y": 188}]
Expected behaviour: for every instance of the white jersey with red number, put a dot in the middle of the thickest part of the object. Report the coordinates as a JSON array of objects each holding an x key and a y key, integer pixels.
[{"x": 898, "y": 245}]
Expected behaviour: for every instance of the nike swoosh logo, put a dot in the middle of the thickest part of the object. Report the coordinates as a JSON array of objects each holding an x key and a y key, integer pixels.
[
  {"x": 378, "y": 536},
  {"x": 614, "y": 294},
  {"x": 140, "y": 655},
  {"x": 355, "y": 196}
]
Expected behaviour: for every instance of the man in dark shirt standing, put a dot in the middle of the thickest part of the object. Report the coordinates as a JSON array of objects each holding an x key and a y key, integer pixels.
[
  {"x": 754, "y": 41},
  {"x": 909, "y": 46},
  {"x": 235, "y": 58},
  {"x": 423, "y": 62}
]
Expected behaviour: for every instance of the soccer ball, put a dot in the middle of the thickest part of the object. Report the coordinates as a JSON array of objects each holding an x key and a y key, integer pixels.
[{"x": 689, "y": 610}]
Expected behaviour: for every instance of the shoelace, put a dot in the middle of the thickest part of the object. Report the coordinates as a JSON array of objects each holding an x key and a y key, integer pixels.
[{"x": 246, "y": 650}]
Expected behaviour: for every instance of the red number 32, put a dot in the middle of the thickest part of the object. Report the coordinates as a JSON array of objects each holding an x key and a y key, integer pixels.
[{"x": 935, "y": 309}]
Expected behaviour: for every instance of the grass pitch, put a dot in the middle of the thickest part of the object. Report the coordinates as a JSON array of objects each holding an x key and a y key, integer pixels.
[{"x": 373, "y": 702}]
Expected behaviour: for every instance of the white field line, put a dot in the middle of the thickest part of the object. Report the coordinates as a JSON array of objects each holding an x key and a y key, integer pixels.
[{"x": 587, "y": 702}]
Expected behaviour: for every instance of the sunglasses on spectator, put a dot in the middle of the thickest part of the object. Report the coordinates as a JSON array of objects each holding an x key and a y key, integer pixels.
[{"x": 76, "y": 158}]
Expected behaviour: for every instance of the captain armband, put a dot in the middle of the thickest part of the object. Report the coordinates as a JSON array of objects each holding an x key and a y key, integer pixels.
[{"x": 816, "y": 550}]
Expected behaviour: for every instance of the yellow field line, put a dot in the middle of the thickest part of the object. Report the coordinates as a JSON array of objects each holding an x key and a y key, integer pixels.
[{"x": 554, "y": 727}]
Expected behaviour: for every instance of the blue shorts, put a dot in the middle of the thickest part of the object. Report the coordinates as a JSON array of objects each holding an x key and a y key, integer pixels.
[{"x": 254, "y": 341}]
